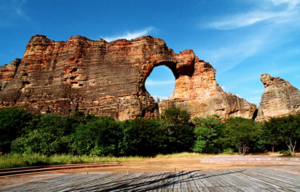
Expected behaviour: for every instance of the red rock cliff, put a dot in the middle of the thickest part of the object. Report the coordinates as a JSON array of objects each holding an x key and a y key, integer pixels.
[{"x": 109, "y": 79}]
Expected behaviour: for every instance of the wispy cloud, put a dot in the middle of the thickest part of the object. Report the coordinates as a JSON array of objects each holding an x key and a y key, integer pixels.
[
  {"x": 242, "y": 20},
  {"x": 150, "y": 82},
  {"x": 130, "y": 35},
  {"x": 271, "y": 14},
  {"x": 228, "y": 56},
  {"x": 12, "y": 12},
  {"x": 280, "y": 20},
  {"x": 291, "y": 3}
]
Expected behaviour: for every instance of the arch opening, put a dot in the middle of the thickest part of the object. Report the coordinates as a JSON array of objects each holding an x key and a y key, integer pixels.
[{"x": 160, "y": 84}]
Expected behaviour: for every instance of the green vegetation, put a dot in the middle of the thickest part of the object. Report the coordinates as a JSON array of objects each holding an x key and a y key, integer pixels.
[
  {"x": 288, "y": 127},
  {"x": 240, "y": 132},
  {"x": 12, "y": 124},
  {"x": 37, "y": 139},
  {"x": 207, "y": 133},
  {"x": 23, "y": 160}
]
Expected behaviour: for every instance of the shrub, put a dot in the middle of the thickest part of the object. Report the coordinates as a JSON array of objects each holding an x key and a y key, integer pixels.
[
  {"x": 228, "y": 151},
  {"x": 38, "y": 141},
  {"x": 285, "y": 153}
]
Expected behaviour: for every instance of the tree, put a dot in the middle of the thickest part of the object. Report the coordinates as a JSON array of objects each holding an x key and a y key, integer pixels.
[
  {"x": 271, "y": 136},
  {"x": 240, "y": 131},
  {"x": 99, "y": 136},
  {"x": 12, "y": 124},
  {"x": 288, "y": 127},
  {"x": 180, "y": 130},
  {"x": 45, "y": 135},
  {"x": 142, "y": 137},
  {"x": 207, "y": 132}
]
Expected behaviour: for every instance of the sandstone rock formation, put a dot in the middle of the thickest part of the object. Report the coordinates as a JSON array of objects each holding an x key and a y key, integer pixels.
[
  {"x": 200, "y": 94},
  {"x": 109, "y": 79},
  {"x": 280, "y": 98},
  {"x": 7, "y": 72}
]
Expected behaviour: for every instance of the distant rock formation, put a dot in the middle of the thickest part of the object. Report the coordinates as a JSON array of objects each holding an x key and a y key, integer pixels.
[
  {"x": 109, "y": 79},
  {"x": 280, "y": 98}
]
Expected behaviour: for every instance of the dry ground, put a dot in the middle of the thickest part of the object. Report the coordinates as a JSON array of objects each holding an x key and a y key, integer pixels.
[{"x": 181, "y": 162}]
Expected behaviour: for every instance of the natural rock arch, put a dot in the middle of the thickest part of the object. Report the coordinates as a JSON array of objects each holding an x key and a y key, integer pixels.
[{"x": 109, "y": 79}]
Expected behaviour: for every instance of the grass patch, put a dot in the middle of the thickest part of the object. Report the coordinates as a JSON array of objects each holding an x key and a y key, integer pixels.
[{"x": 24, "y": 160}]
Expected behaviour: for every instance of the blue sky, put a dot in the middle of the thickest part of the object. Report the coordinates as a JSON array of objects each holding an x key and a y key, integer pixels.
[{"x": 241, "y": 39}]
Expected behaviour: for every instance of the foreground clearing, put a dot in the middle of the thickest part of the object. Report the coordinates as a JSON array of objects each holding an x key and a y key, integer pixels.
[{"x": 253, "y": 179}]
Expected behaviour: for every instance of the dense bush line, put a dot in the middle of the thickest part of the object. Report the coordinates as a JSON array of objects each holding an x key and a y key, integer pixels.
[{"x": 175, "y": 131}]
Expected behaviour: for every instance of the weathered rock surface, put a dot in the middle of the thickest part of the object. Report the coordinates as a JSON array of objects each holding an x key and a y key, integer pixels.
[
  {"x": 280, "y": 98},
  {"x": 7, "y": 72},
  {"x": 109, "y": 79},
  {"x": 200, "y": 94}
]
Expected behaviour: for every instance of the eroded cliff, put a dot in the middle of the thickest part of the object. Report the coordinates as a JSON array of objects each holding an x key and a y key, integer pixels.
[
  {"x": 200, "y": 94},
  {"x": 109, "y": 79},
  {"x": 280, "y": 98}
]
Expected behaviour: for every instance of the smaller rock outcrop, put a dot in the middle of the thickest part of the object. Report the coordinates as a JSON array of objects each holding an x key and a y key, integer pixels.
[
  {"x": 280, "y": 98},
  {"x": 7, "y": 72}
]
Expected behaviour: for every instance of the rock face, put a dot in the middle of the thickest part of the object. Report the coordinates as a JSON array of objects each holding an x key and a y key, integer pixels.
[
  {"x": 7, "y": 73},
  {"x": 280, "y": 98},
  {"x": 200, "y": 94},
  {"x": 109, "y": 79}
]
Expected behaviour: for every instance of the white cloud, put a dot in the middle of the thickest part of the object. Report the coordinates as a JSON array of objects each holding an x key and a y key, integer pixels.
[
  {"x": 291, "y": 3},
  {"x": 280, "y": 22},
  {"x": 130, "y": 35},
  {"x": 150, "y": 82},
  {"x": 228, "y": 56},
  {"x": 12, "y": 12},
  {"x": 271, "y": 14},
  {"x": 223, "y": 88},
  {"x": 242, "y": 20}
]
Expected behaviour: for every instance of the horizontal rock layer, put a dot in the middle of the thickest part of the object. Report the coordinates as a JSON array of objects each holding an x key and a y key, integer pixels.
[{"x": 109, "y": 79}]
